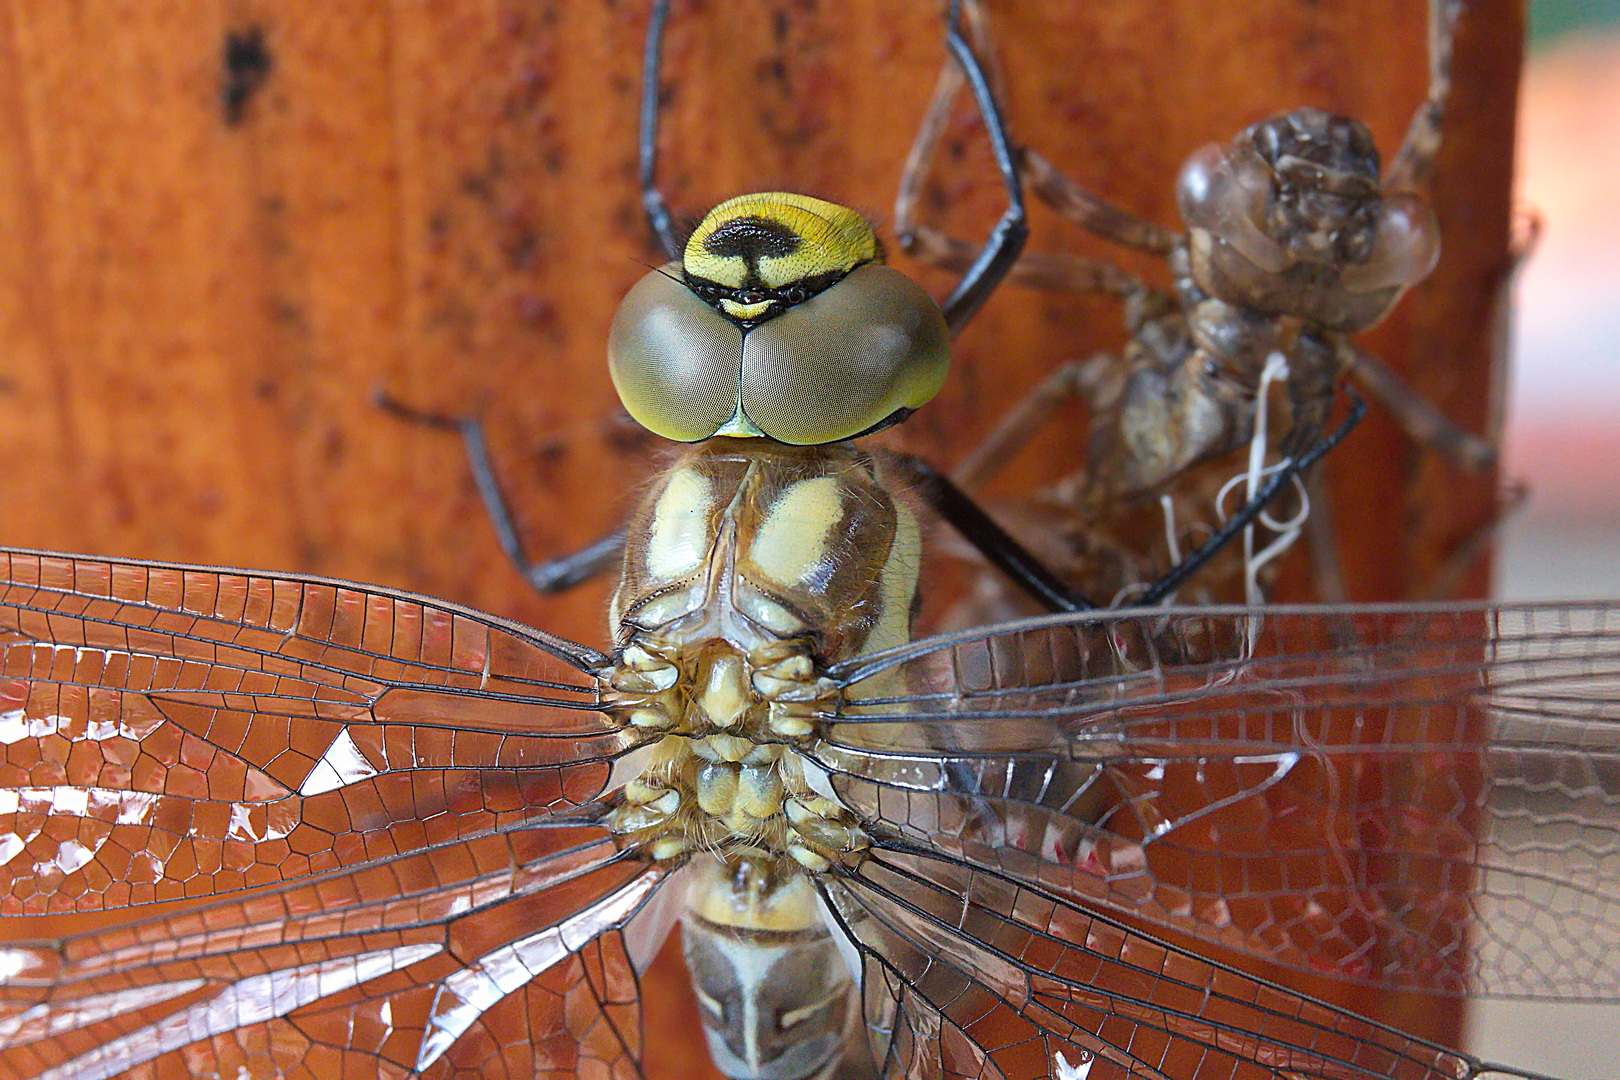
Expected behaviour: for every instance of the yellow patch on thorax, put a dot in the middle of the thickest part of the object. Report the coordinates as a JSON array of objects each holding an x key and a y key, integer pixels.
[
  {"x": 679, "y": 538},
  {"x": 791, "y": 544}
]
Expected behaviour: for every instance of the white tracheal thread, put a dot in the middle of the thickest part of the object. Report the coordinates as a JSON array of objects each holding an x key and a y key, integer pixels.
[
  {"x": 1252, "y": 478},
  {"x": 1172, "y": 542},
  {"x": 1173, "y": 550}
]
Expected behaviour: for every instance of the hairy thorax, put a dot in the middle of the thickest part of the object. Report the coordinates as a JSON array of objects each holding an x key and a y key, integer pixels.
[{"x": 749, "y": 568}]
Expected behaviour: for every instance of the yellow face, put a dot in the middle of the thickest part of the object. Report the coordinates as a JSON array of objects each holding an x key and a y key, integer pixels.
[
  {"x": 780, "y": 322},
  {"x": 756, "y": 255}
]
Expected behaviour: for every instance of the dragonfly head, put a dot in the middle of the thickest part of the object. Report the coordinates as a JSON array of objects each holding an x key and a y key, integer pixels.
[{"x": 780, "y": 322}]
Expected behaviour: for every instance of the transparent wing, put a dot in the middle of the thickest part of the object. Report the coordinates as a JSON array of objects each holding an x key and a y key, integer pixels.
[
  {"x": 175, "y": 732},
  {"x": 496, "y": 955},
  {"x": 998, "y": 979},
  {"x": 270, "y": 769},
  {"x": 1421, "y": 797}
]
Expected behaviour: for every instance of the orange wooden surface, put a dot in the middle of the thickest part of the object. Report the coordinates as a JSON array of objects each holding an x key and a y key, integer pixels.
[{"x": 439, "y": 199}]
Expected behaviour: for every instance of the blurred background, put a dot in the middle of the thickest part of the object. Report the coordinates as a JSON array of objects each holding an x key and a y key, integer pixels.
[
  {"x": 1562, "y": 438},
  {"x": 1561, "y": 434}
]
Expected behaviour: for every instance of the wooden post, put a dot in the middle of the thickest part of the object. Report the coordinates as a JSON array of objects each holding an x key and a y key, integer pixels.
[{"x": 224, "y": 225}]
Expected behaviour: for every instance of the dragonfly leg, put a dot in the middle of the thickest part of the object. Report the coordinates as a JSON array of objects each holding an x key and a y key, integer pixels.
[
  {"x": 1058, "y": 272},
  {"x": 1006, "y": 240},
  {"x": 652, "y": 199},
  {"x": 992, "y": 541},
  {"x": 551, "y": 575},
  {"x": 1417, "y": 415}
]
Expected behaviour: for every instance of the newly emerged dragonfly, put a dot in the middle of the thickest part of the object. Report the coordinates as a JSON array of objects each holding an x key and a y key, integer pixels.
[{"x": 265, "y": 825}]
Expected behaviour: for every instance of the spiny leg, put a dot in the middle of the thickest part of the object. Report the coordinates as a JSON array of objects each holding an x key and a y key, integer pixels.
[
  {"x": 1412, "y": 162},
  {"x": 652, "y": 199},
  {"x": 1020, "y": 424},
  {"x": 1443, "y": 584},
  {"x": 921, "y": 241},
  {"x": 552, "y": 575},
  {"x": 1417, "y": 416},
  {"x": 1055, "y": 272},
  {"x": 1091, "y": 212},
  {"x": 1037, "y": 270},
  {"x": 1434, "y": 429},
  {"x": 1006, "y": 240}
]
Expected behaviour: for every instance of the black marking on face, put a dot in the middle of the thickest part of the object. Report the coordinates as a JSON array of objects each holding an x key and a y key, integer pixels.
[{"x": 751, "y": 239}]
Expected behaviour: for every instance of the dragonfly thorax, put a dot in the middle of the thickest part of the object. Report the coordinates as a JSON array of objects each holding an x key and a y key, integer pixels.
[
  {"x": 728, "y": 773},
  {"x": 748, "y": 571}
]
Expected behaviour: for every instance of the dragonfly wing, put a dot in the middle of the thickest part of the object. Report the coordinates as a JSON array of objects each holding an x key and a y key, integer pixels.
[
  {"x": 495, "y": 955},
  {"x": 1013, "y": 977},
  {"x": 261, "y": 819},
  {"x": 1432, "y": 804},
  {"x": 171, "y": 732}
]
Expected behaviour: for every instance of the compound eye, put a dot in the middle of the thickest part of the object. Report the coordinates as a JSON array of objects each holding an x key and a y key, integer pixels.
[
  {"x": 1225, "y": 193},
  {"x": 1406, "y": 246},
  {"x": 675, "y": 361},
  {"x": 845, "y": 359}
]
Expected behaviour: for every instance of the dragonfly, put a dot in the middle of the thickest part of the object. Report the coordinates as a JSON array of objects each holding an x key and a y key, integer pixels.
[
  {"x": 1293, "y": 241},
  {"x": 267, "y": 824}
]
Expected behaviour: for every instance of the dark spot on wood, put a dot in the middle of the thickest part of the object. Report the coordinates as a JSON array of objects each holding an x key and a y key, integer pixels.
[
  {"x": 482, "y": 185},
  {"x": 284, "y": 312},
  {"x": 537, "y": 311},
  {"x": 247, "y": 65},
  {"x": 333, "y": 445},
  {"x": 519, "y": 245}
]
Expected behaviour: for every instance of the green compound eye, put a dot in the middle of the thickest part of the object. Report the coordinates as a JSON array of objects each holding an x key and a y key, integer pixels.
[
  {"x": 675, "y": 360},
  {"x": 845, "y": 360},
  {"x": 792, "y": 331}
]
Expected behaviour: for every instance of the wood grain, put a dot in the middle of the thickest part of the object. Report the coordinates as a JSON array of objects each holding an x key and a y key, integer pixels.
[{"x": 438, "y": 199}]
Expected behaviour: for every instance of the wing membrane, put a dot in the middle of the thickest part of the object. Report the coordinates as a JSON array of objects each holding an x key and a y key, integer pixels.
[
  {"x": 288, "y": 826},
  {"x": 174, "y": 732},
  {"x": 406, "y": 963},
  {"x": 1433, "y": 804},
  {"x": 1013, "y": 977}
]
